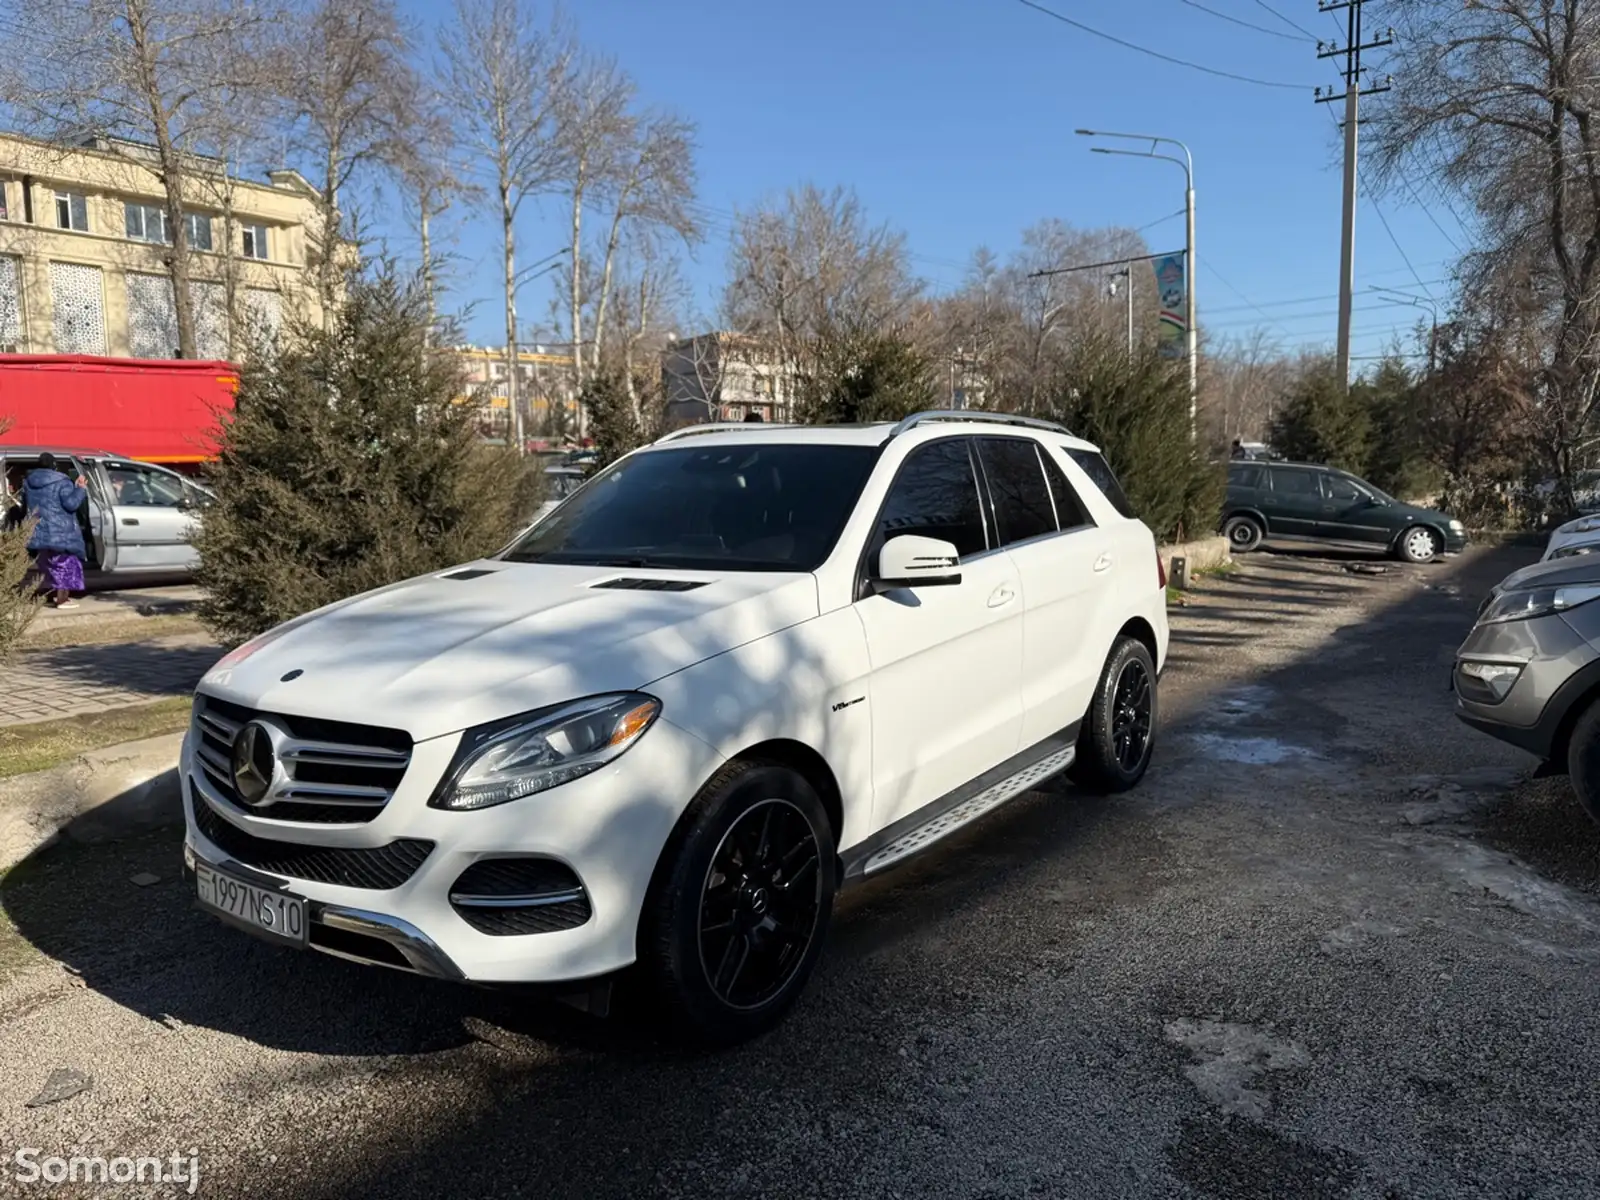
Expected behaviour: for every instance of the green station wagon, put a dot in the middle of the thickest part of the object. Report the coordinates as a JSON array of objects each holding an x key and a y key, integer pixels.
[{"x": 1301, "y": 502}]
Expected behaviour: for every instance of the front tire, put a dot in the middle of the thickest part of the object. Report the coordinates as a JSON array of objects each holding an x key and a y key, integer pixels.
[
  {"x": 739, "y": 908},
  {"x": 1244, "y": 534},
  {"x": 1583, "y": 761},
  {"x": 1420, "y": 545},
  {"x": 1118, "y": 732}
]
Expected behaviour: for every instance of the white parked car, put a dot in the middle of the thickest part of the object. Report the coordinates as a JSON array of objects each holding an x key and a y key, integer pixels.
[
  {"x": 1567, "y": 539},
  {"x": 741, "y": 668}
]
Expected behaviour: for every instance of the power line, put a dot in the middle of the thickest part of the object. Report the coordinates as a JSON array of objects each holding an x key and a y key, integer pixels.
[
  {"x": 1426, "y": 211},
  {"x": 1222, "y": 16},
  {"x": 1285, "y": 20},
  {"x": 1167, "y": 58}
]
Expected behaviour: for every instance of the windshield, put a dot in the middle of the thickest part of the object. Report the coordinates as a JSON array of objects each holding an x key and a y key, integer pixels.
[{"x": 747, "y": 507}]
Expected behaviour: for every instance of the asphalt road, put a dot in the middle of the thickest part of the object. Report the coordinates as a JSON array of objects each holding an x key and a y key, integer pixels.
[{"x": 1334, "y": 946}]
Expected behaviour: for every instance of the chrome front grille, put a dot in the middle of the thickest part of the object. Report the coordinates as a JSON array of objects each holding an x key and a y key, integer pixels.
[{"x": 328, "y": 772}]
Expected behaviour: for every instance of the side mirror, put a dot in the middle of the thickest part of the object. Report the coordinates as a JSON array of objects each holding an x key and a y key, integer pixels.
[{"x": 909, "y": 561}]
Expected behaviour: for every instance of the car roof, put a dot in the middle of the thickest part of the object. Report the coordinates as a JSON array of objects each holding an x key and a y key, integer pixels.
[
  {"x": 875, "y": 434},
  {"x": 79, "y": 451}
]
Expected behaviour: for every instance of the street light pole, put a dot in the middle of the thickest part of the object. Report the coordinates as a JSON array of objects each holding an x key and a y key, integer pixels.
[{"x": 1190, "y": 264}]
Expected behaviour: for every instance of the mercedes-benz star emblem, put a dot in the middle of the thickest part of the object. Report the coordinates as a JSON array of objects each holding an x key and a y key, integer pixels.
[{"x": 254, "y": 763}]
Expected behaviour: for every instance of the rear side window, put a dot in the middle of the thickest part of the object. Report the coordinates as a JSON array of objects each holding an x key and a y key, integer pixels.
[
  {"x": 1294, "y": 483},
  {"x": 1096, "y": 468},
  {"x": 1244, "y": 477},
  {"x": 935, "y": 495},
  {"x": 1022, "y": 504},
  {"x": 1070, "y": 512}
]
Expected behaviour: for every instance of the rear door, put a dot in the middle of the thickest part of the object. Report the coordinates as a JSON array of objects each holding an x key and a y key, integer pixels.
[
  {"x": 1065, "y": 563},
  {"x": 1350, "y": 513},
  {"x": 1294, "y": 505},
  {"x": 152, "y": 516}
]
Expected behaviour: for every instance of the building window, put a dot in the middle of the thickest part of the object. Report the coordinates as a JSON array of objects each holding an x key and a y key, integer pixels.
[
  {"x": 144, "y": 222},
  {"x": 80, "y": 310},
  {"x": 255, "y": 241},
  {"x": 199, "y": 230},
  {"x": 72, "y": 211},
  {"x": 5, "y": 213}
]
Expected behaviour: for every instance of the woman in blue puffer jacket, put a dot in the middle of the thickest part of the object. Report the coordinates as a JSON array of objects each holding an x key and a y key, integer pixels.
[{"x": 57, "y": 542}]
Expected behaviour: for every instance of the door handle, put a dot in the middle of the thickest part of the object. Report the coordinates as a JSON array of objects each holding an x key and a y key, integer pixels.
[
  {"x": 1101, "y": 563},
  {"x": 1001, "y": 596},
  {"x": 130, "y": 520}
]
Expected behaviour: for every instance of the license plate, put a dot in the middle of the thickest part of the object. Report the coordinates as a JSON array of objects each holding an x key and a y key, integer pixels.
[{"x": 276, "y": 915}]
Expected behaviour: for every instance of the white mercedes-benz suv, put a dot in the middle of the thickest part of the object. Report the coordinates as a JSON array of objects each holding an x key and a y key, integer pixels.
[{"x": 737, "y": 670}]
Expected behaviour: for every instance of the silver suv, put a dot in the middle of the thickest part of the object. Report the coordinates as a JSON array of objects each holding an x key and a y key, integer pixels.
[{"x": 1529, "y": 672}]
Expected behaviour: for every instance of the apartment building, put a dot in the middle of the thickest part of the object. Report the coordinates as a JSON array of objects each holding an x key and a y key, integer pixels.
[
  {"x": 725, "y": 376},
  {"x": 84, "y": 252},
  {"x": 544, "y": 385}
]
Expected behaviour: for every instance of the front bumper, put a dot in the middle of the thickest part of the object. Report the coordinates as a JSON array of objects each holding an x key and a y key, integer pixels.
[
  {"x": 609, "y": 828},
  {"x": 1551, "y": 654},
  {"x": 1455, "y": 543}
]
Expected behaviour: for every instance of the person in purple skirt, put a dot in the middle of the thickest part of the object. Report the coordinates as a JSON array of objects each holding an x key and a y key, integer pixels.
[{"x": 57, "y": 541}]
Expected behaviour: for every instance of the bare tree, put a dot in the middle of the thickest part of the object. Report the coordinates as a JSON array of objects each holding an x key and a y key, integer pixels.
[
  {"x": 653, "y": 187},
  {"x": 503, "y": 77},
  {"x": 812, "y": 266},
  {"x": 348, "y": 83},
  {"x": 421, "y": 158},
  {"x": 593, "y": 125},
  {"x": 136, "y": 71},
  {"x": 1499, "y": 104}
]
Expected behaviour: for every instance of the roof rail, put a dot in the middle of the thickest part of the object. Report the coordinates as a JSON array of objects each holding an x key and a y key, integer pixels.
[
  {"x": 992, "y": 418},
  {"x": 719, "y": 427}
]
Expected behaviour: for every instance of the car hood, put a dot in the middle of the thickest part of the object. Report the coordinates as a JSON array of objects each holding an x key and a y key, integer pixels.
[
  {"x": 1556, "y": 572},
  {"x": 1432, "y": 516},
  {"x": 474, "y": 644}
]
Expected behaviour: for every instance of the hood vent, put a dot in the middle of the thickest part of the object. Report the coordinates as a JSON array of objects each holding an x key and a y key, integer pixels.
[
  {"x": 651, "y": 585},
  {"x": 469, "y": 573}
]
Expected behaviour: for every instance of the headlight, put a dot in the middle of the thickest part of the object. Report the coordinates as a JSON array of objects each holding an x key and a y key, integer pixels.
[
  {"x": 541, "y": 750},
  {"x": 1537, "y": 602},
  {"x": 1457, "y": 527}
]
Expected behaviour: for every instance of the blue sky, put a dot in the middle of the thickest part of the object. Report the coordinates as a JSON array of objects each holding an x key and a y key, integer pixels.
[{"x": 953, "y": 120}]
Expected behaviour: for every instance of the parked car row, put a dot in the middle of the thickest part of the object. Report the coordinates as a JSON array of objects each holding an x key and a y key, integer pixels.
[{"x": 1304, "y": 502}]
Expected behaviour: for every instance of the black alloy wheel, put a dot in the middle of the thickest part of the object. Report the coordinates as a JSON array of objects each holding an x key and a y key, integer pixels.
[
  {"x": 760, "y": 904},
  {"x": 1132, "y": 710}
]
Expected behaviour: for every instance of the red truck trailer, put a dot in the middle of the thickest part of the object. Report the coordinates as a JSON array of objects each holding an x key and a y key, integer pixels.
[{"x": 154, "y": 410}]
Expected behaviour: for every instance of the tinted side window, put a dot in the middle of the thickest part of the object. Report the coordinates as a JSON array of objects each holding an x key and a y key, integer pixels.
[
  {"x": 935, "y": 495},
  {"x": 1070, "y": 512},
  {"x": 1097, "y": 469},
  {"x": 1294, "y": 483},
  {"x": 1244, "y": 477},
  {"x": 1022, "y": 506},
  {"x": 1336, "y": 487}
]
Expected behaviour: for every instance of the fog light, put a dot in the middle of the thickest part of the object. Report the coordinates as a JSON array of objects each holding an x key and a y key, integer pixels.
[
  {"x": 188, "y": 856},
  {"x": 1493, "y": 679}
]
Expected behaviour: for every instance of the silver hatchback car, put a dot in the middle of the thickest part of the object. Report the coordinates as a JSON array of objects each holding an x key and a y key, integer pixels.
[{"x": 1529, "y": 672}]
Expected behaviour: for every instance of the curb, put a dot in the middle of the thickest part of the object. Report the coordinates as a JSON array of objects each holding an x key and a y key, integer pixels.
[{"x": 98, "y": 796}]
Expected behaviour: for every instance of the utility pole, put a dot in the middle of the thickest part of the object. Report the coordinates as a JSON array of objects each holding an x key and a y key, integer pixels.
[{"x": 1353, "y": 91}]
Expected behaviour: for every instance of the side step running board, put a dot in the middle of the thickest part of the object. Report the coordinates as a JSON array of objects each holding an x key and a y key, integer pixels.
[{"x": 947, "y": 822}]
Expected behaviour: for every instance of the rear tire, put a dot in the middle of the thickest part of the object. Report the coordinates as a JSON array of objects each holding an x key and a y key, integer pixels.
[
  {"x": 1244, "y": 534},
  {"x": 1420, "y": 544},
  {"x": 1119, "y": 729},
  {"x": 1583, "y": 761},
  {"x": 739, "y": 907}
]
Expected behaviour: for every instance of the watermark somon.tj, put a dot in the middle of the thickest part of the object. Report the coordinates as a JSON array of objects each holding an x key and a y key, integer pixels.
[{"x": 30, "y": 1165}]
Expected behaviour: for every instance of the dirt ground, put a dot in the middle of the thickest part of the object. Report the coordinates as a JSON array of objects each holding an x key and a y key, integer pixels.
[{"x": 1336, "y": 945}]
